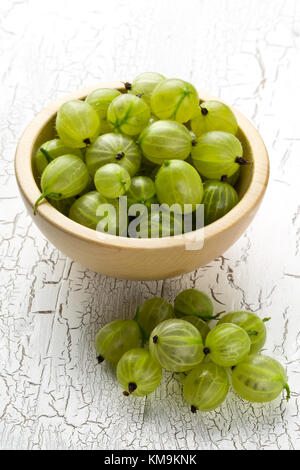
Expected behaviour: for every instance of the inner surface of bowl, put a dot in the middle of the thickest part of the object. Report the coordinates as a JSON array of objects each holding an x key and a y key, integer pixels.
[{"x": 141, "y": 259}]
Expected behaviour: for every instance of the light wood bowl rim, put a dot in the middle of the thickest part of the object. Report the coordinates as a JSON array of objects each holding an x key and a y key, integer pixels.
[{"x": 30, "y": 190}]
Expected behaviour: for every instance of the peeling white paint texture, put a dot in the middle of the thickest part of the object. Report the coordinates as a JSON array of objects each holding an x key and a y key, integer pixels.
[{"x": 52, "y": 393}]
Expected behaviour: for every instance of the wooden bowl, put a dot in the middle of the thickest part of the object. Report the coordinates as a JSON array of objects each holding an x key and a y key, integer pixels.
[{"x": 140, "y": 259}]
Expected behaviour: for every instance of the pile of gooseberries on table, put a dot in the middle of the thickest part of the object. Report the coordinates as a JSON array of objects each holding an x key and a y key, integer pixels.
[
  {"x": 155, "y": 142},
  {"x": 179, "y": 339}
]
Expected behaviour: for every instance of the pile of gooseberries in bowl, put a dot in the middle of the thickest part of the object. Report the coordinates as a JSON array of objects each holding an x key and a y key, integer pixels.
[
  {"x": 160, "y": 147},
  {"x": 206, "y": 360}
]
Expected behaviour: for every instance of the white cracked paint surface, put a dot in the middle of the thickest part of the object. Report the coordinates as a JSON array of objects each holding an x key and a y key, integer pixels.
[{"x": 52, "y": 393}]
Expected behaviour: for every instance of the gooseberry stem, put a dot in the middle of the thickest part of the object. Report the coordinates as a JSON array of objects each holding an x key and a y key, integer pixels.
[
  {"x": 266, "y": 319},
  {"x": 87, "y": 141},
  {"x": 46, "y": 154},
  {"x": 212, "y": 317},
  {"x": 42, "y": 196},
  {"x": 252, "y": 333},
  {"x": 288, "y": 391},
  {"x": 39, "y": 199}
]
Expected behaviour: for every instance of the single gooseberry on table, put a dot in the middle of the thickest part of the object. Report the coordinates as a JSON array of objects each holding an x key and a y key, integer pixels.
[
  {"x": 138, "y": 373},
  {"x": 206, "y": 387},
  {"x": 227, "y": 344},
  {"x": 177, "y": 345},
  {"x": 116, "y": 338},
  {"x": 260, "y": 379}
]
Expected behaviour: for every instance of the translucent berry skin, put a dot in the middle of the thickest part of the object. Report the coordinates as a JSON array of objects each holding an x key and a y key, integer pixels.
[
  {"x": 49, "y": 151},
  {"x": 174, "y": 99},
  {"x": 227, "y": 344},
  {"x": 251, "y": 323},
  {"x": 206, "y": 387},
  {"x": 153, "y": 312},
  {"x": 165, "y": 140},
  {"x": 192, "y": 302},
  {"x": 200, "y": 324},
  {"x": 138, "y": 373},
  {"x": 177, "y": 345},
  {"x": 116, "y": 338},
  {"x": 100, "y": 100},
  {"x": 112, "y": 180},
  {"x": 113, "y": 148},
  {"x": 128, "y": 114},
  {"x": 259, "y": 379},
  {"x": 64, "y": 177},
  {"x": 177, "y": 182},
  {"x": 218, "y": 199},
  {"x": 144, "y": 85},
  {"x": 141, "y": 191},
  {"x": 160, "y": 223},
  {"x": 215, "y": 154},
  {"x": 84, "y": 210},
  {"x": 77, "y": 123},
  {"x": 214, "y": 116}
]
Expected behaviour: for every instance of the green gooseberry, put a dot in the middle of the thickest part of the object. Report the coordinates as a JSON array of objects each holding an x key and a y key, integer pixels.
[
  {"x": 50, "y": 150},
  {"x": 77, "y": 123},
  {"x": 64, "y": 177},
  {"x": 217, "y": 153},
  {"x": 128, "y": 114},
  {"x": 218, "y": 199}
]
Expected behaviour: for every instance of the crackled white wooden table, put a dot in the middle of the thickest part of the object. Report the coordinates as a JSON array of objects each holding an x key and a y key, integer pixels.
[{"x": 52, "y": 392}]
